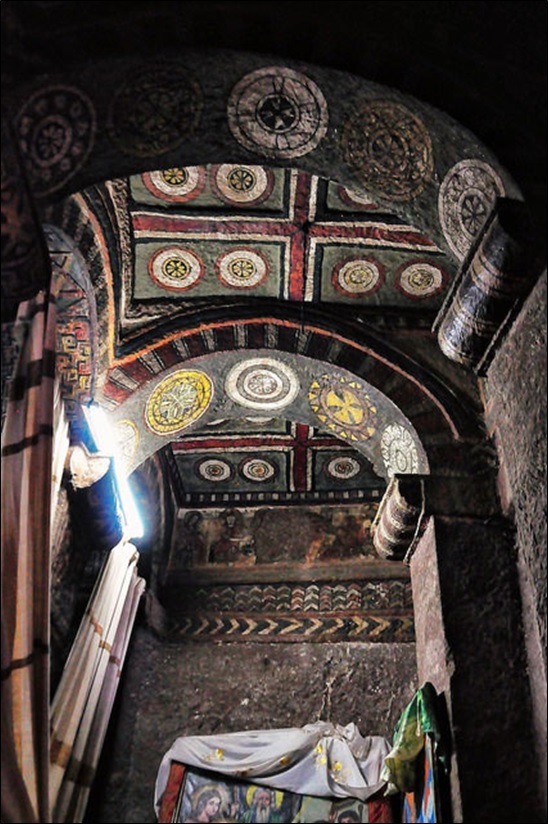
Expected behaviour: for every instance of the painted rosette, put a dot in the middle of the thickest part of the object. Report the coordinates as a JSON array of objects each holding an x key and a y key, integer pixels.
[
  {"x": 399, "y": 451},
  {"x": 242, "y": 268},
  {"x": 421, "y": 279},
  {"x": 357, "y": 277},
  {"x": 343, "y": 468},
  {"x": 262, "y": 383},
  {"x": 466, "y": 198},
  {"x": 257, "y": 470},
  {"x": 214, "y": 470},
  {"x": 177, "y": 401},
  {"x": 241, "y": 185},
  {"x": 277, "y": 112},
  {"x": 176, "y": 185},
  {"x": 175, "y": 269}
]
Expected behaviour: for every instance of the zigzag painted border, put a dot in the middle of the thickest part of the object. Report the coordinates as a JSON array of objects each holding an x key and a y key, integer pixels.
[{"x": 295, "y": 628}]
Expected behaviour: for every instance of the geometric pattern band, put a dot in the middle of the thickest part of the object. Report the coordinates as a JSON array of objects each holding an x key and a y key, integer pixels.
[
  {"x": 295, "y": 628},
  {"x": 371, "y": 610}
]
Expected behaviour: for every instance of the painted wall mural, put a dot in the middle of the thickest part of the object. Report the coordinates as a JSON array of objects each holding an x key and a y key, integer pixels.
[{"x": 244, "y": 537}]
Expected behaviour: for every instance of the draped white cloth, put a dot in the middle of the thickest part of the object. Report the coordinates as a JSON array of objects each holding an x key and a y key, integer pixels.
[
  {"x": 319, "y": 759},
  {"x": 26, "y": 505},
  {"x": 83, "y": 701}
]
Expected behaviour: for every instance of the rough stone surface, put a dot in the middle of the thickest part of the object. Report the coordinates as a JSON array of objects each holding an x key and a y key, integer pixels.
[
  {"x": 169, "y": 691},
  {"x": 516, "y": 410},
  {"x": 489, "y": 692}
]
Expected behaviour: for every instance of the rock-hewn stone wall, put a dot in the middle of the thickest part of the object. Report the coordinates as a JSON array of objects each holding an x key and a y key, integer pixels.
[{"x": 199, "y": 689}]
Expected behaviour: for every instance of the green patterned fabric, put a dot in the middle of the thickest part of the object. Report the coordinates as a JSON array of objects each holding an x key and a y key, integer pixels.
[{"x": 421, "y": 717}]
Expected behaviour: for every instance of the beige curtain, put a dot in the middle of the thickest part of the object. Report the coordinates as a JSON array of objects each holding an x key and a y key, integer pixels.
[
  {"x": 25, "y": 556},
  {"x": 83, "y": 701}
]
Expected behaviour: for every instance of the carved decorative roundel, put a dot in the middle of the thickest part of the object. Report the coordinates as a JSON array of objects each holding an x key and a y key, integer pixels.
[
  {"x": 466, "y": 197},
  {"x": 175, "y": 268},
  {"x": 178, "y": 185},
  {"x": 242, "y": 185},
  {"x": 277, "y": 112},
  {"x": 177, "y": 401},
  {"x": 342, "y": 405},
  {"x": 56, "y": 131},
  {"x": 154, "y": 109},
  {"x": 389, "y": 148},
  {"x": 398, "y": 451},
  {"x": 262, "y": 383}
]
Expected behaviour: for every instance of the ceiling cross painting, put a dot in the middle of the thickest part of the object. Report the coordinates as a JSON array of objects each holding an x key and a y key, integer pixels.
[{"x": 258, "y": 320}]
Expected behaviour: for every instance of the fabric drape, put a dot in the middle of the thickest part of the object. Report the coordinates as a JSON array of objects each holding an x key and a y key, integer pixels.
[
  {"x": 320, "y": 759},
  {"x": 83, "y": 701},
  {"x": 25, "y": 556},
  {"x": 420, "y": 718}
]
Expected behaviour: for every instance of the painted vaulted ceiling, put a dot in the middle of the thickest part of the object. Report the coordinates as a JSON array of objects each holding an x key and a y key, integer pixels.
[{"x": 252, "y": 257}]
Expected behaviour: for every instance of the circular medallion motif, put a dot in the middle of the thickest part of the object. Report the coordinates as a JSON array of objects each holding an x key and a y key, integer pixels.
[
  {"x": 355, "y": 200},
  {"x": 342, "y": 405},
  {"x": 214, "y": 470},
  {"x": 179, "y": 185},
  {"x": 343, "y": 468},
  {"x": 154, "y": 110},
  {"x": 262, "y": 383},
  {"x": 390, "y": 149},
  {"x": 127, "y": 441},
  {"x": 257, "y": 469},
  {"x": 241, "y": 268},
  {"x": 357, "y": 276},
  {"x": 177, "y": 401},
  {"x": 175, "y": 269},
  {"x": 398, "y": 450},
  {"x": 420, "y": 279},
  {"x": 465, "y": 200},
  {"x": 56, "y": 132},
  {"x": 277, "y": 112},
  {"x": 242, "y": 185}
]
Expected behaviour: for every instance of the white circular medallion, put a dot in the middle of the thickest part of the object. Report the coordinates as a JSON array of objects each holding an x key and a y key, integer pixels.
[
  {"x": 242, "y": 185},
  {"x": 262, "y": 383},
  {"x": 214, "y": 470},
  {"x": 398, "y": 451},
  {"x": 344, "y": 467},
  {"x": 241, "y": 268},
  {"x": 257, "y": 469},
  {"x": 420, "y": 280},
  {"x": 175, "y": 268},
  {"x": 466, "y": 197},
  {"x": 277, "y": 112},
  {"x": 357, "y": 277},
  {"x": 179, "y": 184}
]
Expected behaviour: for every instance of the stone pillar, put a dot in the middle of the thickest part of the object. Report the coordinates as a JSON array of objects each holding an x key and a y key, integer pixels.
[{"x": 469, "y": 643}]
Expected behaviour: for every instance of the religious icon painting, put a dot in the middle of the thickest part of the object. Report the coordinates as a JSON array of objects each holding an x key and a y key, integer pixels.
[{"x": 193, "y": 795}]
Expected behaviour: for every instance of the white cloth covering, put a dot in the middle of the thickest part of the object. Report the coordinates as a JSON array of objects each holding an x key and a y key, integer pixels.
[{"x": 319, "y": 759}]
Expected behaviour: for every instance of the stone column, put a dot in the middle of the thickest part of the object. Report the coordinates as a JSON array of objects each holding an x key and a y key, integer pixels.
[{"x": 469, "y": 641}]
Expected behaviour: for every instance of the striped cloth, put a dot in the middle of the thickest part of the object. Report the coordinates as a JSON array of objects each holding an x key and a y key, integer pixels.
[{"x": 26, "y": 486}]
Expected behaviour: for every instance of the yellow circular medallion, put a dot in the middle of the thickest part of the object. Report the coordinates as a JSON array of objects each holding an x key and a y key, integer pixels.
[{"x": 177, "y": 401}]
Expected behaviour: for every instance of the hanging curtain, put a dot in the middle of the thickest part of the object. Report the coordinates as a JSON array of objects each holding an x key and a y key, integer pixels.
[
  {"x": 25, "y": 556},
  {"x": 84, "y": 698}
]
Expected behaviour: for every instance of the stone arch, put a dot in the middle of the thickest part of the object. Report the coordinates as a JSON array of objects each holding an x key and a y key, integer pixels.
[
  {"x": 438, "y": 424},
  {"x": 97, "y": 122}
]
